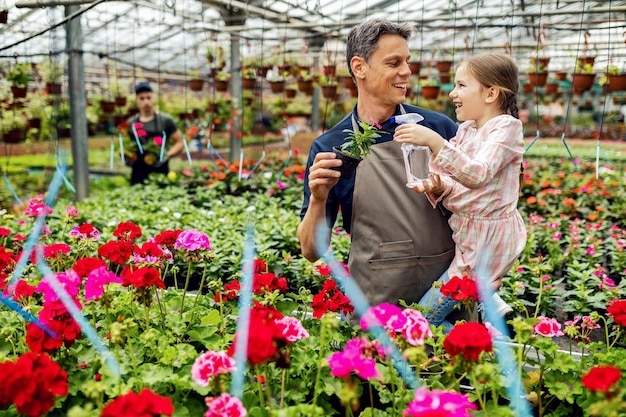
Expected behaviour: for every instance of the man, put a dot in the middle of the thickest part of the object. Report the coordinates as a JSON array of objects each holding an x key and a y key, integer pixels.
[
  {"x": 400, "y": 244},
  {"x": 149, "y": 124}
]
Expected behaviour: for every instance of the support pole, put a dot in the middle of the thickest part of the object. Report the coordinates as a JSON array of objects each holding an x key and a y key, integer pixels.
[
  {"x": 236, "y": 94},
  {"x": 76, "y": 72}
]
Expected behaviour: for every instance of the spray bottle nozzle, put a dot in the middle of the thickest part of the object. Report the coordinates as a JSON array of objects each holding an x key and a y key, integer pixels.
[{"x": 408, "y": 118}]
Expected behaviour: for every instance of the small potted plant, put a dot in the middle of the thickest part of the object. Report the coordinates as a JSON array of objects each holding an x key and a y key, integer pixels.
[
  {"x": 616, "y": 79},
  {"x": 537, "y": 73},
  {"x": 222, "y": 80},
  {"x": 195, "y": 82},
  {"x": 19, "y": 76},
  {"x": 356, "y": 147},
  {"x": 583, "y": 77}
]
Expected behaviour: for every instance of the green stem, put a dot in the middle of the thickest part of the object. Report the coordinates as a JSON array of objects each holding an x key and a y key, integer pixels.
[
  {"x": 479, "y": 395},
  {"x": 260, "y": 388},
  {"x": 156, "y": 292},
  {"x": 133, "y": 361},
  {"x": 319, "y": 360},
  {"x": 369, "y": 385},
  {"x": 282, "y": 388},
  {"x": 201, "y": 285},
  {"x": 182, "y": 303},
  {"x": 539, "y": 298}
]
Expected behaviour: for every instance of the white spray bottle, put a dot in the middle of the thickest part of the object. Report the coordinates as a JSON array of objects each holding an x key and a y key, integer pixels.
[{"x": 416, "y": 157}]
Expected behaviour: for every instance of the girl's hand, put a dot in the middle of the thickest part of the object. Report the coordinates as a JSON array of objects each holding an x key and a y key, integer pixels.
[
  {"x": 411, "y": 133},
  {"x": 417, "y": 134},
  {"x": 432, "y": 185}
]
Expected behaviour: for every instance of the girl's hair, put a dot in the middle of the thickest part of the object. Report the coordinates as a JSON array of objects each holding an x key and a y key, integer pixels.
[{"x": 497, "y": 70}]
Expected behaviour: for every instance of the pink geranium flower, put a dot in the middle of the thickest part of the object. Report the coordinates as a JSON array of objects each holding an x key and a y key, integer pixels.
[
  {"x": 352, "y": 359},
  {"x": 69, "y": 280},
  {"x": 292, "y": 329},
  {"x": 192, "y": 240},
  {"x": 548, "y": 327},
  {"x": 225, "y": 406},
  {"x": 96, "y": 280},
  {"x": 209, "y": 364},
  {"x": 439, "y": 403}
]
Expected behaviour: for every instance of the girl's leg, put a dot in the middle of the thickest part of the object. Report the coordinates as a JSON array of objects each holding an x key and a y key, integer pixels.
[{"x": 438, "y": 305}]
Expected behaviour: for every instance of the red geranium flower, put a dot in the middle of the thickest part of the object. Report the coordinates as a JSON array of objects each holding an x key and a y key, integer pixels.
[
  {"x": 142, "y": 278},
  {"x": 167, "y": 238},
  {"x": 469, "y": 340},
  {"x": 127, "y": 231},
  {"x": 461, "y": 289},
  {"x": 330, "y": 299},
  {"x": 618, "y": 311},
  {"x": 36, "y": 381},
  {"x": 231, "y": 292},
  {"x": 116, "y": 252},
  {"x": 145, "y": 404},
  {"x": 601, "y": 378},
  {"x": 84, "y": 266}
]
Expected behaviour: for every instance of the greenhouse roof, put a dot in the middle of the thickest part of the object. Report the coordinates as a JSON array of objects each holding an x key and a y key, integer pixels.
[{"x": 173, "y": 36}]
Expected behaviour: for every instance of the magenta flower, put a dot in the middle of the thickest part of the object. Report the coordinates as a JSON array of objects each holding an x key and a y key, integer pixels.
[
  {"x": 209, "y": 364},
  {"x": 36, "y": 207},
  {"x": 192, "y": 240},
  {"x": 292, "y": 329},
  {"x": 96, "y": 280},
  {"x": 225, "y": 406},
  {"x": 281, "y": 185},
  {"x": 548, "y": 327},
  {"x": 69, "y": 280},
  {"x": 158, "y": 140},
  {"x": 387, "y": 315},
  {"x": 440, "y": 403},
  {"x": 352, "y": 359}
]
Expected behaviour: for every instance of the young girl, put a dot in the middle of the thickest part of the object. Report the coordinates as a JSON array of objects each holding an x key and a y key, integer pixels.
[{"x": 476, "y": 175}]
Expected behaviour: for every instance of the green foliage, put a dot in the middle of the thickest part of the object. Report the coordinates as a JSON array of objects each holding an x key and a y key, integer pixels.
[
  {"x": 358, "y": 142},
  {"x": 19, "y": 75}
]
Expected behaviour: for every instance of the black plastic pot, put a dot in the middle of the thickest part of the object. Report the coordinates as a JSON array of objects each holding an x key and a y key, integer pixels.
[{"x": 348, "y": 167}]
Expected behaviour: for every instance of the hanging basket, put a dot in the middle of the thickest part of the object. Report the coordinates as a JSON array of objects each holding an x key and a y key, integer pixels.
[
  {"x": 305, "y": 86},
  {"x": 54, "y": 88},
  {"x": 14, "y": 135},
  {"x": 329, "y": 70},
  {"x": 277, "y": 87},
  {"x": 561, "y": 76},
  {"x": 34, "y": 123},
  {"x": 348, "y": 82},
  {"x": 445, "y": 78},
  {"x": 248, "y": 83},
  {"x": 444, "y": 66},
  {"x": 537, "y": 79},
  {"x": 18, "y": 92},
  {"x": 4, "y": 16},
  {"x": 196, "y": 84},
  {"x": 582, "y": 82},
  {"x": 329, "y": 91},
  {"x": 290, "y": 92},
  {"x": 262, "y": 71},
  {"x": 415, "y": 67},
  {"x": 107, "y": 106},
  {"x": 617, "y": 82},
  {"x": 221, "y": 85},
  {"x": 585, "y": 60},
  {"x": 120, "y": 101},
  {"x": 552, "y": 88},
  {"x": 430, "y": 92}
]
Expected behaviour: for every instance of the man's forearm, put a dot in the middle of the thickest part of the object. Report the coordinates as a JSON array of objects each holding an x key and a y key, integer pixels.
[{"x": 307, "y": 232}]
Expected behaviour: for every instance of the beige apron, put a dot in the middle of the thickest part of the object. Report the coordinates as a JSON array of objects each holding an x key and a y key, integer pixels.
[{"x": 400, "y": 243}]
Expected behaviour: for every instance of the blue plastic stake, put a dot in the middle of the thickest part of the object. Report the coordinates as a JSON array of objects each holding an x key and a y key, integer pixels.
[
  {"x": 121, "y": 139},
  {"x": 240, "y": 164},
  {"x": 11, "y": 190},
  {"x": 533, "y": 141},
  {"x": 243, "y": 324},
  {"x": 163, "y": 146},
  {"x": 26, "y": 315},
  {"x": 567, "y": 149},
  {"x": 286, "y": 164},
  {"x": 187, "y": 148},
  {"x": 213, "y": 150},
  {"x": 134, "y": 129},
  {"x": 254, "y": 168}
]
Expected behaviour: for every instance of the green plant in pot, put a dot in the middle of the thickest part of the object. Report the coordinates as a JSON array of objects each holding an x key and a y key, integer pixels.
[
  {"x": 356, "y": 147},
  {"x": 19, "y": 76}
]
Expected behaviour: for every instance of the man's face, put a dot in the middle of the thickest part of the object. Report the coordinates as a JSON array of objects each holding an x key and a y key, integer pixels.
[
  {"x": 145, "y": 101},
  {"x": 387, "y": 72}
]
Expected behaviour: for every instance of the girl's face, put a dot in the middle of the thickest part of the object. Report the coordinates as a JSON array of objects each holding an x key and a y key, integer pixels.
[{"x": 470, "y": 97}]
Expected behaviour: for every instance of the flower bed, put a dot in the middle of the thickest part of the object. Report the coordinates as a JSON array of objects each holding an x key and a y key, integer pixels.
[{"x": 126, "y": 260}]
